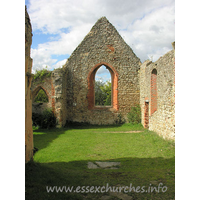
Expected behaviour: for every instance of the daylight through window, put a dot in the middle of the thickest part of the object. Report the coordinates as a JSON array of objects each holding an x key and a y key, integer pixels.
[
  {"x": 41, "y": 97},
  {"x": 103, "y": 92}
]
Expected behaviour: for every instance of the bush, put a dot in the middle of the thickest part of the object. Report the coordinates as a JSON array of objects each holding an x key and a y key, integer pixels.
[
  {"x": 45, "y": 120},
  {"x": 36, "y": 119},
  {"x": 48, "y": 119},
  {"x": 120, "y": 119},
  {"x": 41, "y": 74},
  {"x": 134, "y": 116}
]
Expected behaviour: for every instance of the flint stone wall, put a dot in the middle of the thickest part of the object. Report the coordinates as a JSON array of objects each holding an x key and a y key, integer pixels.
[
  {"x": 71, "y": 89},
  {"x": 52, "y": 85},
  {"x": 102, "y": 45},
  {"x": 161, "y": 121}
]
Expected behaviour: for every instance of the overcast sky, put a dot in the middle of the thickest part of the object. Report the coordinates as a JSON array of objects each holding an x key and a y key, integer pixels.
[{"x": 148, "y": 27}]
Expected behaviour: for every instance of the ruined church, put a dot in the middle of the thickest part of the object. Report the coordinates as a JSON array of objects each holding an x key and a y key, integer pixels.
[{"x": 70, "y": 89}]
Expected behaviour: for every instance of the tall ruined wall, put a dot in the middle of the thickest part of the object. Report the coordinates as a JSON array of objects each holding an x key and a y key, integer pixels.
[
  {"x": 57, "y": 84},
  {"x": 51, "y": 83},
  {"x": 102, "y": 45},
  {"x": 28, "y": 101},
  {"x": 162, "y": 120}
]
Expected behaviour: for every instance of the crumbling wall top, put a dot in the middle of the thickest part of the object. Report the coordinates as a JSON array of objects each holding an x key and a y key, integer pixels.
[{"x": 28, "y": 33}]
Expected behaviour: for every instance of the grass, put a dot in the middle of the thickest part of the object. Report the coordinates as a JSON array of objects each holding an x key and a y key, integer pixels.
[{"x": 146, "y": 160}]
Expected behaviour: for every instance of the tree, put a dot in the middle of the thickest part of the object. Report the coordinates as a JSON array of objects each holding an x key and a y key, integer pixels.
[
  {"x": 102, "y": 93},
  {"x": 99, "y": 95},
  {"x": 106, "y": 88}
]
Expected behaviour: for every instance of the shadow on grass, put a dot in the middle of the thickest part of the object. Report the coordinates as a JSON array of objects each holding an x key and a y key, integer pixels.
[
  {"x": 43, "y": 137},
  {"x": 77, "y": 125},
  {"x": 148, "y": 172}
]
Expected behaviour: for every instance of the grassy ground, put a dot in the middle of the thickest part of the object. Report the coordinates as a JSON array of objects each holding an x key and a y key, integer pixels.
[{"x": 146, "y": 160}]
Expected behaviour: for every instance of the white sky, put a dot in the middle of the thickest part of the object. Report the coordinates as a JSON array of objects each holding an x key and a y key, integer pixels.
[
  {"x": 148, "y": 27},
  {"x": 103, "y": 74}
]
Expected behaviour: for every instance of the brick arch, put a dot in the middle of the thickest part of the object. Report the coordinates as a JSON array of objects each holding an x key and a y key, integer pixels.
[
  {"x": 37, "y": 89},
  {"x": 91, "y": 84},
  {"x": 153, "y": 91}
]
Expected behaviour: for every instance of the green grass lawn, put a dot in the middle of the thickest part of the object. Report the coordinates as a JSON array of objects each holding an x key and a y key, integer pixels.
[{"x": 146, "y": 160}]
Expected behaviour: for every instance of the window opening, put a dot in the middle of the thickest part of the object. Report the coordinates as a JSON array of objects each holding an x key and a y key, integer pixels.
[
  {"x": 103, "y": 87},
  {"x": 41, "y": 97}
]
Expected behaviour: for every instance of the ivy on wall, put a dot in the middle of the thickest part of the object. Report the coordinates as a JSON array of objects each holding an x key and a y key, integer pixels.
[{"x": 41, "y": 74}]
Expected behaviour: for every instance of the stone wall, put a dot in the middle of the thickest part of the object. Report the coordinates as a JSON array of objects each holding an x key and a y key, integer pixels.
[
  {"x": 52, "y": 86},
  {"x": 102, "y": 46},
  {"x": 45, "y": 84},
  {"x": 28, "y": 101},
  {"x": 161, "y": 111},
  {"x": 70, "y": 90}
]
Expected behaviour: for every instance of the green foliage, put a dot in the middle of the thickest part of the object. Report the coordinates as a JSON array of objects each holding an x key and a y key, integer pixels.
[
  {"x": 40, "y": 74},
  {"x": 102, "y": 93},
  {"x": 106, "y": 89},
  {"x": 36, "y": 119},
  {"x": 100, "y": 96},
  {"x": 120, "y": 119},
  {"x": 49, "y": 119},
  {"x": 45, "y": 120},
  {"x": 41, "y": 97},
  {"x": 134, "y": 116}
]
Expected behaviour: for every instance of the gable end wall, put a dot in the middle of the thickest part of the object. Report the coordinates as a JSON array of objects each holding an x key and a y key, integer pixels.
[{"x": 102, "y": 44}]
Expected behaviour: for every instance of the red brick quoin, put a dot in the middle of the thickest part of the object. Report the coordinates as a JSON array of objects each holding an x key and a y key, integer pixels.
[{"x": 91, "y": 84}]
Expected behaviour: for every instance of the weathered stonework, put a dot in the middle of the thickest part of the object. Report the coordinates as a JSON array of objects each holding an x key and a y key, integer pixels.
[
  {"x": 70, "y": 90},
  {"x": 52, "y": 86},
  {"x": 44, "y": 84},
  {"x": 160, "y": 117},
  {"x": 102, "y": 46},
  {"x": 28, "y": 101}
]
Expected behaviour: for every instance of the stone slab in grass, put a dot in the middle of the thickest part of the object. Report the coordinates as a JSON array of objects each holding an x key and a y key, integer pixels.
[
  {"x": 107, "y": 164},
  {"x": 103, "y": 165},
  {"x": 91, "y": 165}
]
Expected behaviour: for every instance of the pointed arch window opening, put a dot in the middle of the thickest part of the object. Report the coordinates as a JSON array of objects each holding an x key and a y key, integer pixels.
[
  {"x": 41, "y": 96},
  {"x": 91, "y": 87}
]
